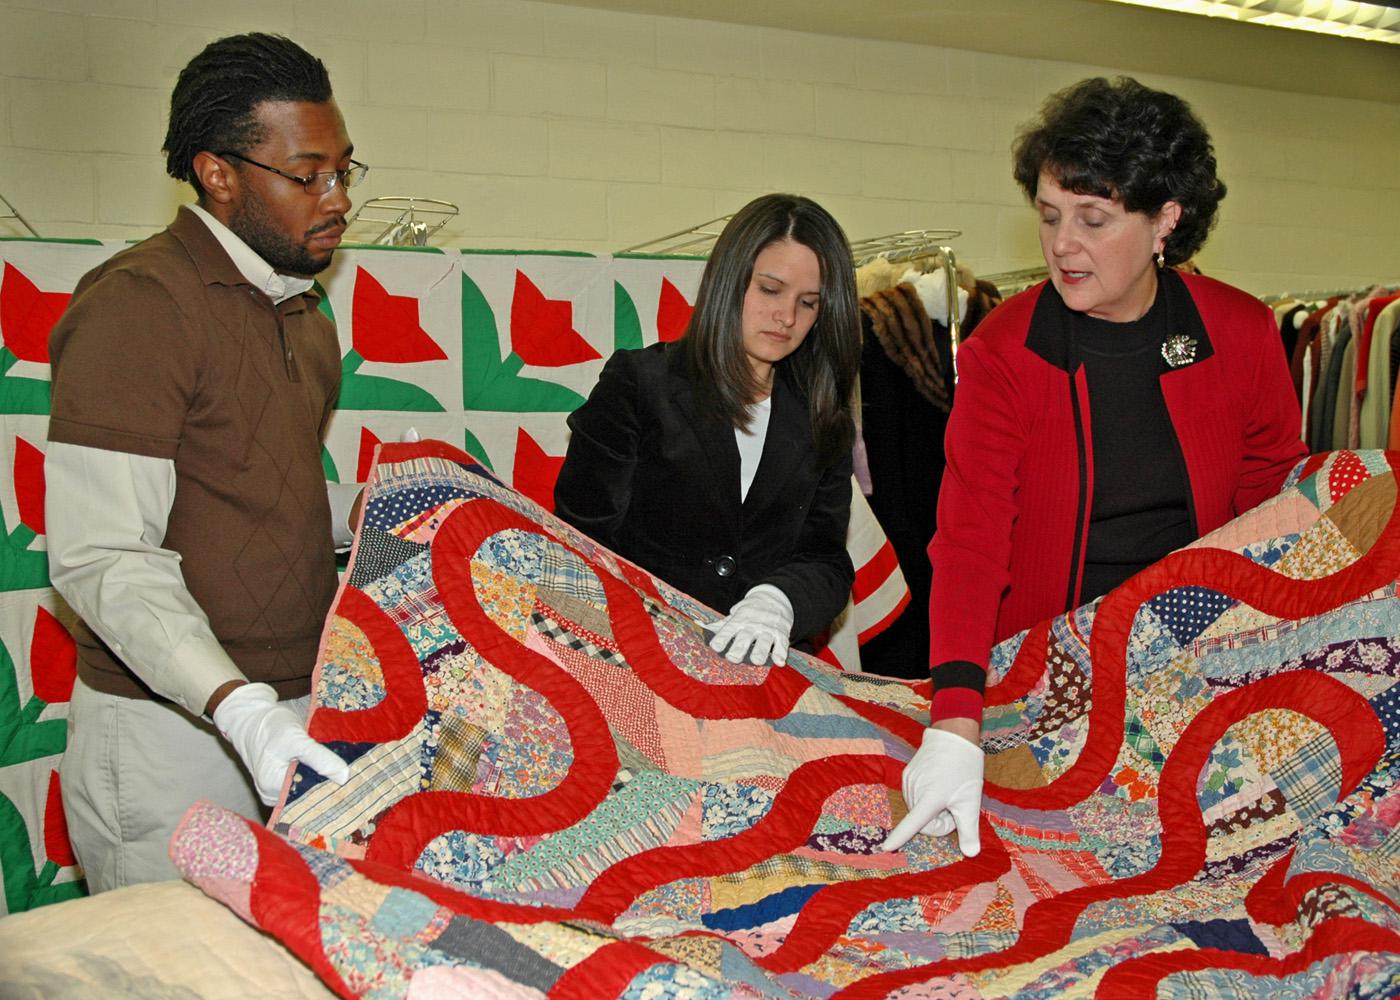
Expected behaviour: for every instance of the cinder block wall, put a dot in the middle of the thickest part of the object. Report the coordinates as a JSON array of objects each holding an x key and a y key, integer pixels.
[{"x": 555, "y": 127}]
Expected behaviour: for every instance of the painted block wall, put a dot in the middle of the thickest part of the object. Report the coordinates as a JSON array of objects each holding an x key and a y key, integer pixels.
[{"x": 554, "y": 127}]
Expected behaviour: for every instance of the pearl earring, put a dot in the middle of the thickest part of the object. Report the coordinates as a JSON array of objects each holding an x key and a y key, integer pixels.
[{"x": 1161, "y": 259}]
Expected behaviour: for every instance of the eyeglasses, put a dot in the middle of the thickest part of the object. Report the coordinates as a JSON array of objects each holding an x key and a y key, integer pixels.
[{"x": 318, "y": 183}]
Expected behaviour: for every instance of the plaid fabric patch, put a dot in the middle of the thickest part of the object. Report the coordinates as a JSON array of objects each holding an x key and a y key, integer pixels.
[
  {"x": 1070, "y": 635},
  {"x": 1244, "y": 639},
  {"x": 383, "y": 775},
  {"x": 1137, "y": 737},
  {"x": 452, "y": 766},
  {"x": 1311, "y": 780},
  {"x": 416, "y": 606},
  {"x": 330, "y": 869},
  {"x": 773, "y": 875},
  {"x": 570, "y": 575},
  {"x": 581, "y": 617},
  {"x": 557, "y": 632}
]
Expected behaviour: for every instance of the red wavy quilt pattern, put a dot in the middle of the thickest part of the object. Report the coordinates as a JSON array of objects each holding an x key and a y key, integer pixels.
[{"x": 558, "y": 789}]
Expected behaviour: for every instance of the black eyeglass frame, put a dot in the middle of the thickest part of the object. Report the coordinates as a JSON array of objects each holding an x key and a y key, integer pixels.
[{"x": 357, "y": 170}]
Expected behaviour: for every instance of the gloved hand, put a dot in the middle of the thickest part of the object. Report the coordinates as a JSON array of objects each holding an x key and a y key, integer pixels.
[
  {"x": 758, "y": 626},
  {"x": 942, "y": 790},
  {"x": 268, "y": 736}
]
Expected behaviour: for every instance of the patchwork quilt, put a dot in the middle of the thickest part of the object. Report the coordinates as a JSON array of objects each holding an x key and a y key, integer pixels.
[{"x": 558, "y": 789}]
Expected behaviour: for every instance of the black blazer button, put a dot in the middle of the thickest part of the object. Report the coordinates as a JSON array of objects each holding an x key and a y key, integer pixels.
[{"x": 726, "y": 565}]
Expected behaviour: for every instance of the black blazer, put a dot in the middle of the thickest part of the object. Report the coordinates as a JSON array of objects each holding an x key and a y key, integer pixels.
[{"x": 656, "y": 479}]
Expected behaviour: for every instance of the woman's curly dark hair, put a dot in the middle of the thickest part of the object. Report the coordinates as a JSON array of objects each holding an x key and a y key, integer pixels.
[
  {"x": 217, "y": 94},
  {"x": 1119, "y": 139}
]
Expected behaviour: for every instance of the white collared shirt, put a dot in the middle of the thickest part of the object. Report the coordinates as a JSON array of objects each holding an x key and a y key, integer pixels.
[
  {"x": 750, "y": 441},
  {"x": 258, "y": 272},
  {"x": 106, "y": 514}
]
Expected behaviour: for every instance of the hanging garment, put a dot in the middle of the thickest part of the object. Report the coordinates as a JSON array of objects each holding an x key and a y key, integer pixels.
[
  {"x": 1361, "y": 313},
  {"x": 1326, "y": 408},
  {"x": 1346, "y": 395},
  {"x": 1375, "y": 407},
  {"x": 906, "y": 392},
  {"x": 1395, "y": 363},
  {"x": 980, "y": 301},
  {"x": 1305, "y": 365},
  {"x": 1307, "y": 339},
  {"x": 901, "y": 323},
  {"x": 1290, "y": 322},
  {"x": 1392, "y": 441}
]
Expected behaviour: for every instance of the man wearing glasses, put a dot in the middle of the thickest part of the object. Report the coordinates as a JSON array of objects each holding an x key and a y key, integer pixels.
[{"x": 189, "y": 523}]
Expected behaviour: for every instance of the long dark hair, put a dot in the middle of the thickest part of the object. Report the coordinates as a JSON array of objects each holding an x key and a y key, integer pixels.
[{"x": 824, "y": 365}]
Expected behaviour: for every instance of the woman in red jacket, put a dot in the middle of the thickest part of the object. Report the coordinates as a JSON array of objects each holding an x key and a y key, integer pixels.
[{"x": 1103, "y": 418}]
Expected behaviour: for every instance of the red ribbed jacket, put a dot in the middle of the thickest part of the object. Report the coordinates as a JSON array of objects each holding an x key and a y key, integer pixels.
[{"x": 1013, "y": 508}]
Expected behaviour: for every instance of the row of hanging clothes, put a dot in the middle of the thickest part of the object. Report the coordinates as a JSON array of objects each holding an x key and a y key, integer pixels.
[
  {"x": 917, "y": 304},
  {"x": 1345, "y": 359}
]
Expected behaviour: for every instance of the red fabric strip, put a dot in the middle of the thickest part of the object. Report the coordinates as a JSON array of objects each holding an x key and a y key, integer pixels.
[
  {"x": 876, "y": 571},
  {"x": 405, "y": 700},
  {"x": 412, "y": 822},
  {"x": 787, "y": 824}
]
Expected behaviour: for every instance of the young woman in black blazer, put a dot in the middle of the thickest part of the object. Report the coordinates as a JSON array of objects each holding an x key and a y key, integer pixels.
[{"x": 721, "y": 462}]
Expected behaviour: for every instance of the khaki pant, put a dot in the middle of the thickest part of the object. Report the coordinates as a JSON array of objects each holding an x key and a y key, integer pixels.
[{"x": 131, "y": 769}]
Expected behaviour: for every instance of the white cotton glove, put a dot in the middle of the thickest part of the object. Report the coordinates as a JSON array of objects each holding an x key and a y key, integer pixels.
[
  {"x": 758, "y": 626},
  {"x": 269, "y": 736},
  {"x": 942, "y": 791}
]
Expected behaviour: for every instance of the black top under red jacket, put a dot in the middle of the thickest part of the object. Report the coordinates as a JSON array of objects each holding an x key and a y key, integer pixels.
[{"x": 1014, "y": 502}]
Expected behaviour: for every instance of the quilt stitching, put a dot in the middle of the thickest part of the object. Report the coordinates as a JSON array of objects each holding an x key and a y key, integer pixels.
[{"x": 1190, "y": 782}]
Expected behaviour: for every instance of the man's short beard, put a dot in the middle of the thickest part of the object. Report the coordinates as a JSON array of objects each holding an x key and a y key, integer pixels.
[{"x": 251, "y": 223}]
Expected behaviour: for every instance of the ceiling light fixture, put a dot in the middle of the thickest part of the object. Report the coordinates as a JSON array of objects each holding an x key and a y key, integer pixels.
[{"x": 1341, "y": 18}]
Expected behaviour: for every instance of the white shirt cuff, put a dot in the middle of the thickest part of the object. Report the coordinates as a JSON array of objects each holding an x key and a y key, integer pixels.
[{"x": 342, "y": 498}]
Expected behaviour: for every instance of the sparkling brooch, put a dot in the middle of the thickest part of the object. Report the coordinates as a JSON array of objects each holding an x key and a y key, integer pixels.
[{"x": 1179, "y": 350}]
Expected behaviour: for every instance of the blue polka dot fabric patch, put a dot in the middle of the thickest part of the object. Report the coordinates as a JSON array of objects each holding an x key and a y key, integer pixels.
[
  {"x": 1188, "y": 611},
  {"x": 394, "y": 508}
]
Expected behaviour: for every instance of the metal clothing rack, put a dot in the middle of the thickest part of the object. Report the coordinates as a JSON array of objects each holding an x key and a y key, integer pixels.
[
  {"x": 909, "y": 245},
  {"x": 1324, "y": 294},
  {"x": 696, "y": 241},
  {"x": 1010, "y": 282},
  {"x": 402, "y": 220},
  {"x": 921, "y": 244},
  {"x": 13, "y": 213},
  {"x": 912, "y": 244}
]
